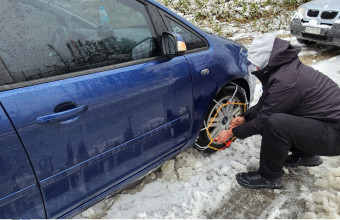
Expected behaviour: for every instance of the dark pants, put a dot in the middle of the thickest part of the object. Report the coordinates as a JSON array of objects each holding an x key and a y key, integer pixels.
[{"x": 305, "y": 136}]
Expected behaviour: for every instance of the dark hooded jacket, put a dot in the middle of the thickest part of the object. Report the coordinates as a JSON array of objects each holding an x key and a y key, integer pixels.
[{"x": 293, "y": 88}]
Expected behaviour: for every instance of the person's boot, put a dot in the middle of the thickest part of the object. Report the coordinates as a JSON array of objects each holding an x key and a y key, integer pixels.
[
  {"x": 255, "y": 181},
  {"x": 293, "y": 161}
]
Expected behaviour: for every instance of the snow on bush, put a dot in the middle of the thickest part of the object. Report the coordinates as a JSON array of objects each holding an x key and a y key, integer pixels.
[{"x": 227, "y": 18}]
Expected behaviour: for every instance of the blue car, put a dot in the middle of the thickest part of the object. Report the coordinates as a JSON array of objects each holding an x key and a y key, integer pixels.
[{"x": 96, "y": 93}]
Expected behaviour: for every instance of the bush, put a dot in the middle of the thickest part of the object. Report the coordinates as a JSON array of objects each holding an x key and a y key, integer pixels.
[{"x": 224, "y": 16}]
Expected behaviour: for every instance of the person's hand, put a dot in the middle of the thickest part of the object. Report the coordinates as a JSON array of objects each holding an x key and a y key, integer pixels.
[
  {"x": 224, "y": 136},
  {"x": 235, "y": 122}
]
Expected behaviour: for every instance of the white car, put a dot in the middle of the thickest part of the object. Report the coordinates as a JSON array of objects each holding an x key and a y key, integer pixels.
[{"x": 317, "y": 21}]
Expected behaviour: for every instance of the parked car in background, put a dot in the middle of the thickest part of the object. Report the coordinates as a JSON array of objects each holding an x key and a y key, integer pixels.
[
  {"x": 95, "y": 94},
  {"x": 317, "y": 21}
]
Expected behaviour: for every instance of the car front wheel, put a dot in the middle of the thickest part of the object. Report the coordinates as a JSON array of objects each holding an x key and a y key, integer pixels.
[{"x": 219, "y": 117}]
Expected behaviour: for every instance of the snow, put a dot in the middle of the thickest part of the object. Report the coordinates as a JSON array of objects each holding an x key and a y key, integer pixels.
[
  {"x": 309, "y": 52},
  {"x": 331, "y": 67},
  {"x": 219, "y": 16},
  {"x": 324, "y": 203}
]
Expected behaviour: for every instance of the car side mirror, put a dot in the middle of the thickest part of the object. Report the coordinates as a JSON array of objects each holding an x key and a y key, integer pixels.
[{"x": 173, "y": 44}]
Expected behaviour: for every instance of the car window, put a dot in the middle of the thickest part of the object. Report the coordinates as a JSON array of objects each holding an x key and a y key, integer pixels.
[
  {"x": 44, "y": 38},
  {"x": 191, "y": 40}
]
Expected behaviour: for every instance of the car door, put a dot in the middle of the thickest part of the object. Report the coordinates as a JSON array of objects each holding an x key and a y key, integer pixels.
[
  {"x": 19, "y": 192},
  {"x": 92, "y": 106}
]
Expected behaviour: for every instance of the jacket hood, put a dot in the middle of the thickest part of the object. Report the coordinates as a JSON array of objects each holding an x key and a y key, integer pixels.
[
  {"x": 283, "y": 52},
  {"x": 260, "y": 50}
]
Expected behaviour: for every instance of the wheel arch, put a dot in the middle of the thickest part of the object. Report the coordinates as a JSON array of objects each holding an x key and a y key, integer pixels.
[
  {"x": 244, "y": 85},
  {"x": 240, "y": 82}
]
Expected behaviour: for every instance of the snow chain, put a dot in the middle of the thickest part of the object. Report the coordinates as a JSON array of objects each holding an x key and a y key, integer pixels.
[{"x": 227, "y": 143}]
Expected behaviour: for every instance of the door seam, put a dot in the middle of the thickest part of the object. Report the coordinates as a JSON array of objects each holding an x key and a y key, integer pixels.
[{"x": 29, "y": 159}]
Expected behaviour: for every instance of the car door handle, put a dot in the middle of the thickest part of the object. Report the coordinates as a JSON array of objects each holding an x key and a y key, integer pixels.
[
  {"x": 64, "y": 117},
  {"x": 205, "y": 72}
]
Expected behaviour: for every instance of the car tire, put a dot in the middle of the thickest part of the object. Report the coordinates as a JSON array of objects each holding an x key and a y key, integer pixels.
[{"x": 222, "y": 121}]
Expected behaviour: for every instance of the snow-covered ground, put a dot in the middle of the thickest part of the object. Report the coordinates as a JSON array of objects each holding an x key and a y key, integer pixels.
[{"x": 196, "y": 185}]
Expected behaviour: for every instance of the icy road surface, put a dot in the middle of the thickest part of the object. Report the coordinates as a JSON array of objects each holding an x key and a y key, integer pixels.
[{"x": 195, "y": 185}]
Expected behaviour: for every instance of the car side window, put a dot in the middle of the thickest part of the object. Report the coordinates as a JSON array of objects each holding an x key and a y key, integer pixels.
[
  {"x": 54, "y": 37},
  {"x": 191, "y": 40}
]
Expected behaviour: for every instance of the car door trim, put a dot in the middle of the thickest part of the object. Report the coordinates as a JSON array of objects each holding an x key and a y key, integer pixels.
[
  {"x": 69, "y": 171},
  {"x": 16, "y": 195}
]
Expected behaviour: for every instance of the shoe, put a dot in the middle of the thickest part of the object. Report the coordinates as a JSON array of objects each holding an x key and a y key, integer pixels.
[
  {"x": 255, "y": 181},
  {"x": 312, "y": 161}
]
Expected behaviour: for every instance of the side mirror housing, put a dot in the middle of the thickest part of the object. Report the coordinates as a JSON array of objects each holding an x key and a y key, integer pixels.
[{"x": 173, "y": 44}]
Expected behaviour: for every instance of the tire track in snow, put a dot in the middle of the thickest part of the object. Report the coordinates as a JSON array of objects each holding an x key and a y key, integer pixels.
[{"x": 268, "y": 203}]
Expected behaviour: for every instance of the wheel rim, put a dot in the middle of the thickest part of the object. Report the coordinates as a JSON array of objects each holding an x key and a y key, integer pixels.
[{"x": 224, "y": 116}]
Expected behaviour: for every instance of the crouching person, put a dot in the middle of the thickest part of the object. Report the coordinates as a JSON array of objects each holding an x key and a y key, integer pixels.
[{"x": 299, "y": 111}]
